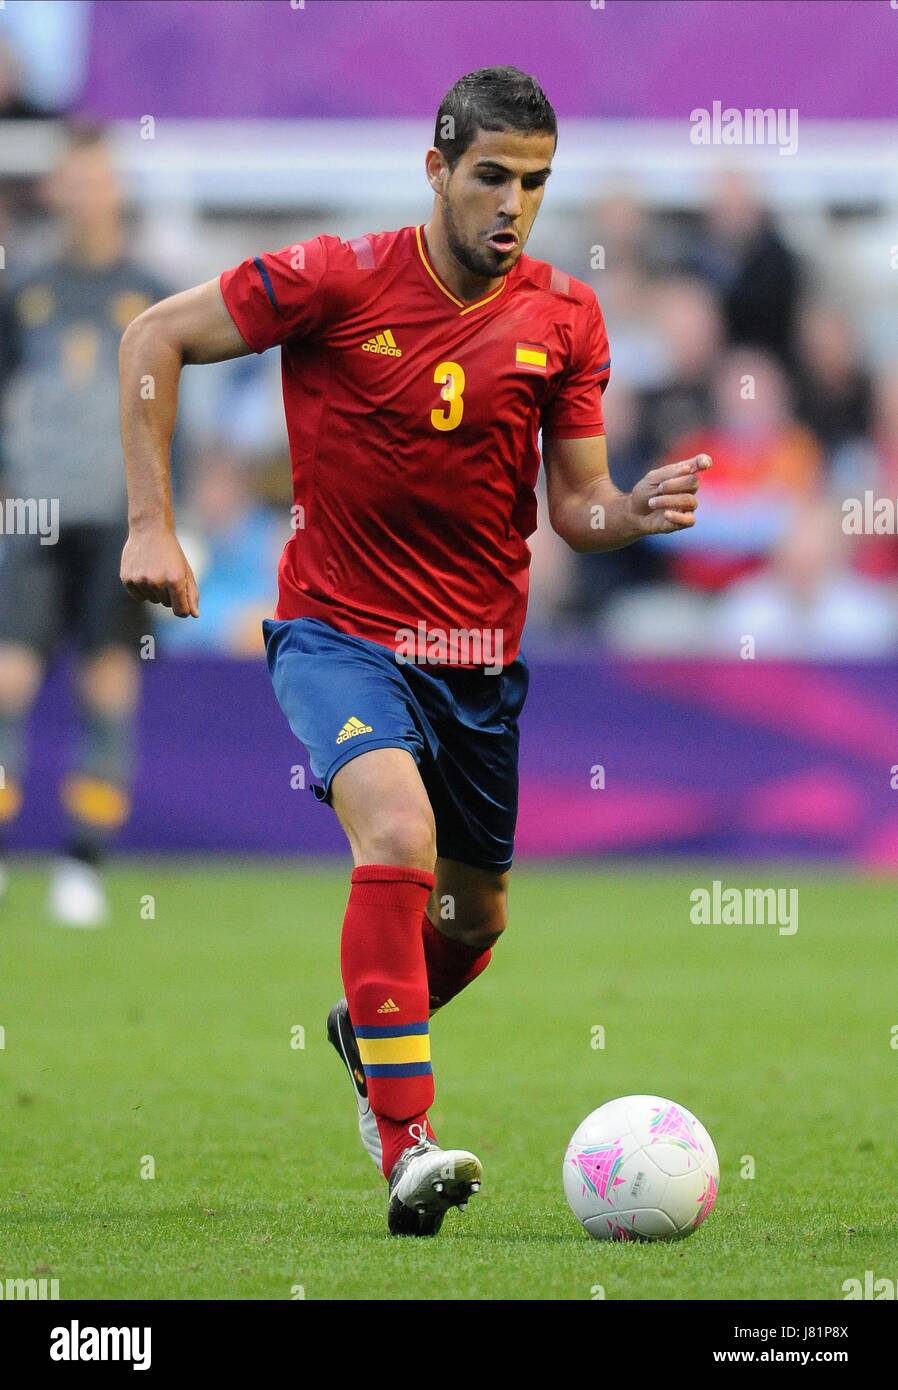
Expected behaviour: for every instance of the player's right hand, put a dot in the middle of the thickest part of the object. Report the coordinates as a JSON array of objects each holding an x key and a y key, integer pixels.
[{"x": 155, "y": 568}]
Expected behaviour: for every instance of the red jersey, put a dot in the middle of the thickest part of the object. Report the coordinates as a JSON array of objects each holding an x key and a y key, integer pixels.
[{"x": 413, "y": 421}]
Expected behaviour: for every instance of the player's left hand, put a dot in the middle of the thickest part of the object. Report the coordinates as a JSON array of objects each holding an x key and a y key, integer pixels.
[{"x": 666, "y": 498}]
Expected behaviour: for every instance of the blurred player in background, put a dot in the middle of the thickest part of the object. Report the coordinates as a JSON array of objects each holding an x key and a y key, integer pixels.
[
  {"x": 61, "y": 447},
  {"x": 418, "y": 366}
]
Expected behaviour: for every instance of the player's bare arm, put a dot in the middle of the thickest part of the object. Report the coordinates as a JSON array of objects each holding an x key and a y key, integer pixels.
[
  {"x": 191, "y": 327},
  {"x": 590, "y": 513}
]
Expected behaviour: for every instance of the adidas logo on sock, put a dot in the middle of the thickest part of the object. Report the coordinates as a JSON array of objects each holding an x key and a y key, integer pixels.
[
  {"x": 352, "y": 727},
  {"x": 384, "y": 344},
  {"x": 389, "y": 1006}
]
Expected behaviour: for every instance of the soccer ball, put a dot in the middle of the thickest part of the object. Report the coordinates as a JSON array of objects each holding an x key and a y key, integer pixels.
[{"x": 641, "y": 1168}]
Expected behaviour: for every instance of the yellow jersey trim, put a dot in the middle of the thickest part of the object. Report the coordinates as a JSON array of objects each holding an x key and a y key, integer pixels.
[{"x": 463, "y": 308}]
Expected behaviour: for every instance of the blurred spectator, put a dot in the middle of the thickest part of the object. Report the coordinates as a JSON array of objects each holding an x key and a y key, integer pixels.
[
  {"x": 61, "y": 444},
  {"x": 638, "y": 349},
  {"x": 765, "y": 464},
  {"x": 622, "y": 228},
  {"x": 7, "y": 349},
  {"x": 623, "y": 244},
  {"x": 662, "y": 620},
  {"x": 595, "y": 579},
  {"x": 683, "y": 325},
  {"x": 757, "y": 276},
  {"x": 877, "y": 555},
  {"x": 808, "y": 602},
  {"x": 834, "y": 390},
  {"x": 14, "y": 102},
  {"x": 234, "y": 548},
  {"x": 688, "y": 318},
  {"x": 50, "y": 40}
]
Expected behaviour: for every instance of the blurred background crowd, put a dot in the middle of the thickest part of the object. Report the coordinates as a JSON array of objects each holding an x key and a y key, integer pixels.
[{"x": 760, "y": 333}]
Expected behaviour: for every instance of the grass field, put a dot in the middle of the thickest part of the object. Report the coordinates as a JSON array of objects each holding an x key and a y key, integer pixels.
[{"x": 171, "y": 1038}]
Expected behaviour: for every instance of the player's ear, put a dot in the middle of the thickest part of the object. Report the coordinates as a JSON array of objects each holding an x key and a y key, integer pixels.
[{"x": 437, "y": 171}]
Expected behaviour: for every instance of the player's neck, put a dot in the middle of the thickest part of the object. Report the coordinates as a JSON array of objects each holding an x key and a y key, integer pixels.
[{"x": 461, "y": 281}]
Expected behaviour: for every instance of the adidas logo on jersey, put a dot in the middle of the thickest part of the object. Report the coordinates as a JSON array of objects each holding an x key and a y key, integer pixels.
[
  {"x": 383, "y": 343},
  {"x": 352, "y": 727},
  {"x": 389, "y": 1006}
]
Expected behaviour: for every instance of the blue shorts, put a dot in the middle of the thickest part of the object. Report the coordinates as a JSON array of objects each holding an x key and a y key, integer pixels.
[{"x": 344, "y": 695}]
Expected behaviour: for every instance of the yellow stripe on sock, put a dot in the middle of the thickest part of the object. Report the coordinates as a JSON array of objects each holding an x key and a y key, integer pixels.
[
  {"x": 95, "y": 802},
  {"x": 413, "y": 1048}
]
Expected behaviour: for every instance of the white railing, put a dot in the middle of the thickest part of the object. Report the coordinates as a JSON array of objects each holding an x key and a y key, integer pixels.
[{"x": 353, "y": 164}]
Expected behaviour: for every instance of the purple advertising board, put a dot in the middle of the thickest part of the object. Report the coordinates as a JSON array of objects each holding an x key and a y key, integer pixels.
[
  {"x": 741, "y": 759},
  {"x": 829, "y": 59}
]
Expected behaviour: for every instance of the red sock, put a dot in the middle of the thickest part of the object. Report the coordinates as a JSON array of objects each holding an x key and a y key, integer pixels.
[
  {"x": 451, "y": 965},
  {"x": 385, "y": 978}
]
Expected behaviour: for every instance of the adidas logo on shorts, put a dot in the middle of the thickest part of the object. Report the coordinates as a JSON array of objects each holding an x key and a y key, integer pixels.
[{"x": 352, "y": 727}]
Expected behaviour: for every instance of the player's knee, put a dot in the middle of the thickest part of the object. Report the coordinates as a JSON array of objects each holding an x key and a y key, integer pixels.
[
  {"x": 482, "y": 926},
  {"x": 406, "y": 837}
]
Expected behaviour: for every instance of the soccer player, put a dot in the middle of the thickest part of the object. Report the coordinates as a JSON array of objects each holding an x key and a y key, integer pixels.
[
  {"x": 419, "y": 366},
  {"x": 65, "y": 515}
]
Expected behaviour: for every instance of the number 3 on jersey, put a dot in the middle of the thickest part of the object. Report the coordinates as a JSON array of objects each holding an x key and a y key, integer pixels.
[{"x": 451, "y": 377}]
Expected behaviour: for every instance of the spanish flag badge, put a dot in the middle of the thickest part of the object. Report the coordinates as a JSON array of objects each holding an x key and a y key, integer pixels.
[{"x": 531, "y": 357}]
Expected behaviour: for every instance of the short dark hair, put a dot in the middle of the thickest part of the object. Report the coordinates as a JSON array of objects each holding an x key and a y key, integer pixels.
[{"x": 491, "y": 99}]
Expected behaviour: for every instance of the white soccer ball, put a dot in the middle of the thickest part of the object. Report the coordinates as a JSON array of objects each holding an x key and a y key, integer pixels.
[{"x": 641, "y": 1168}]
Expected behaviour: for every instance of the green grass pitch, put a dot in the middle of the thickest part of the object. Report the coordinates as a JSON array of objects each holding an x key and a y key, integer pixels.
[{"x": 170, "y": 1039}]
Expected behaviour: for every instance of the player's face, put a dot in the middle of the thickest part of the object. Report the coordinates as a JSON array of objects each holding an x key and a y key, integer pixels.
[{"x": 491, "y": 198}]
